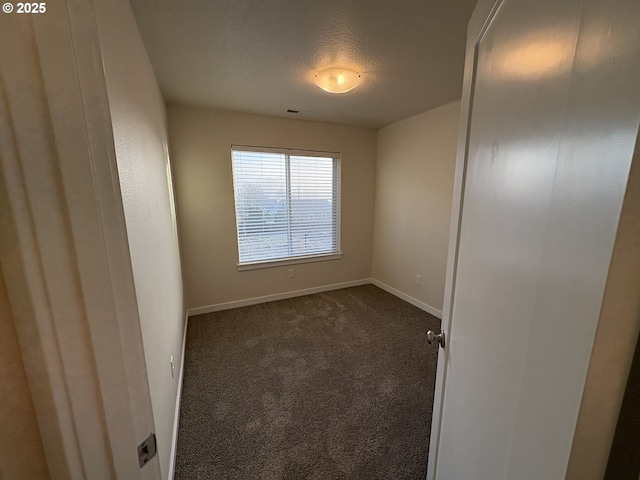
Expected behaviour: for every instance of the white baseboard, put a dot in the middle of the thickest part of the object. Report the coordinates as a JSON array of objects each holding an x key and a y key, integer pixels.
[
  {"x": 413, "y": 301},
  {"x": 176, "y": 420},
  {"x": 278, "y": 296},
  {"x": 308, "y": 291}
]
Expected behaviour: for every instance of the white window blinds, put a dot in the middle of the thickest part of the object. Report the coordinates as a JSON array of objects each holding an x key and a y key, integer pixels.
[{"x": 287, "y": 203}]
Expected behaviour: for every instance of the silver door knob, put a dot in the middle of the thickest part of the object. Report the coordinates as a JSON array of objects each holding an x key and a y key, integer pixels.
[{"x": 436, "y": 338}]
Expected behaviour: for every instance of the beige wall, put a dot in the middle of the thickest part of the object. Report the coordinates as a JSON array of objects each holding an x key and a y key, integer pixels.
[
  {"x": 614, "y": 345},
  {"x": 139, "y": 127},
  {"x": 21, "y": 453},
  {"x": 414, "y": 186},
  {"x": 200, "y": 141}
]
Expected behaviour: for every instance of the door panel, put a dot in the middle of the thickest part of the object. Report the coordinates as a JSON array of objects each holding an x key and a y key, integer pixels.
[{"x": 553, "y": 122}]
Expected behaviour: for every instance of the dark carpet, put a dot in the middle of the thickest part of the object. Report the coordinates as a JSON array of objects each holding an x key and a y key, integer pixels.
[{"x": 336, "y": 385}]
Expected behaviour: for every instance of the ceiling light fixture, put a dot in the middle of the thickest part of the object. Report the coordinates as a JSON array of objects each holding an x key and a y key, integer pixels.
[{"x": 337, "y": 79}]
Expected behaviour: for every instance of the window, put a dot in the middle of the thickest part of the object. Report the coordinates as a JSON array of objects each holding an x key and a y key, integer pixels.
[{"x": 287, "y": 205}]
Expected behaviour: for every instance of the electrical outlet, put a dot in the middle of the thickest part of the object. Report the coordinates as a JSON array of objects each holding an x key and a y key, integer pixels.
[
  {"x": 292, "y": 273},
  {"x": 418, "y": 280}
]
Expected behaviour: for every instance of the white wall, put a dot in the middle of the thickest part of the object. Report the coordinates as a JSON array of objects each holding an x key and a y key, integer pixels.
[
  {"x": 414, "y": 186},
  {"x": 139, "y": 128},
  {"x": 201, "y": 142},
  {"x": 19, "y": 432}
]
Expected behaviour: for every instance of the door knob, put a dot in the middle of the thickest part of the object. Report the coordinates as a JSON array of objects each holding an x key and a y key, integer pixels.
[{"x": 436, "y": 338}]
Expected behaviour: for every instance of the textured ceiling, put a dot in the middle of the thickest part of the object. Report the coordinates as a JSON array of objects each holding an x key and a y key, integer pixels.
[{"x": 260, "y": 56}]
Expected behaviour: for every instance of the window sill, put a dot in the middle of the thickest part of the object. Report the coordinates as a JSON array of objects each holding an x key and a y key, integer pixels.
[{"x": 289, "y": 261}]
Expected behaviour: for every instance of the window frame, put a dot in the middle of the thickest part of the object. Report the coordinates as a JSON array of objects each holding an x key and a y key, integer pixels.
[{"x": 337, "y": 194}]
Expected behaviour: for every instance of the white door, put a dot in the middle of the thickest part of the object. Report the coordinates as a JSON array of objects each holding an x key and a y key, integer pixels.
[{"x": 553, "y": 101}]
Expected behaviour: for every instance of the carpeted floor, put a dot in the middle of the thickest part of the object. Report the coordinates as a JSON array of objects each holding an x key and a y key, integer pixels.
[{"x": 336, "y": 385}]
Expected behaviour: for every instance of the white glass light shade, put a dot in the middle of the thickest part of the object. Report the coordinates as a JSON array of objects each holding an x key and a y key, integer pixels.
[{"x": 337, "y": 79}]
